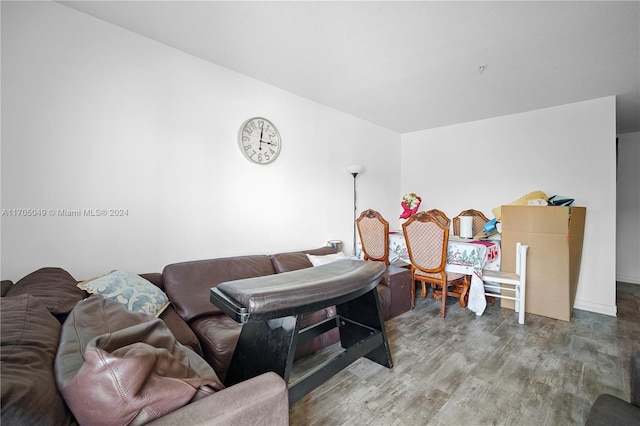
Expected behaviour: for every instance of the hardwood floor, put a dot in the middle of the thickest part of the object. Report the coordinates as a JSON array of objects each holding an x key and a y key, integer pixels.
[{"x": 487, "y": 370}]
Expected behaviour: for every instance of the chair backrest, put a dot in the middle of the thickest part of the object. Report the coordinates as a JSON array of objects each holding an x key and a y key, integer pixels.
[
  {"x": 374, "y": 235},
  {"x": 426, "y": 240},
  {"x": 479, "y": 219},
  {"x": 442, "y": 218}
]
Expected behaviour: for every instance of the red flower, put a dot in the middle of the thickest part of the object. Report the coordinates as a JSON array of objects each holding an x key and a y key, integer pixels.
[{"x": 408, "y": 211}]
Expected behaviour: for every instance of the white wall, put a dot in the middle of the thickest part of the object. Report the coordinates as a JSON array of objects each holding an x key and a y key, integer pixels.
[
  {"x": 96, "y": 117},
  {"x": 628, "y": 211},
  {"x": 567, "y": 150}
]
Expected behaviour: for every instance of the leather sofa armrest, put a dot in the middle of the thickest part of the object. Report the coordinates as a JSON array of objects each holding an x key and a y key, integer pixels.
[
  {"x": 154, "y": 278},
  {"x": 609, "y": 410},
  {"x": 262, "y": 400},
  {"x": 6, "y": 285},
  {"x": 399, "y": 281},
  {"x": 389, "y": 277}
]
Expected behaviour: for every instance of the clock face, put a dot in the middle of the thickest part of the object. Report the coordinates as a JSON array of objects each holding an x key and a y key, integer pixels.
[{"x": 259, "y": 140}]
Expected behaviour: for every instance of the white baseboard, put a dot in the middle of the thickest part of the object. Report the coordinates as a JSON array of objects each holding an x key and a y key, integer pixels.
[
  {"x": 633, "y": 279},
  {"x": 598, "y": 308}
]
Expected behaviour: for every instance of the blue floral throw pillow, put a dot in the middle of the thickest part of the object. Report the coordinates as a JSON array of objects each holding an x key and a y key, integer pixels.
[{"x": 133, "y": 291}]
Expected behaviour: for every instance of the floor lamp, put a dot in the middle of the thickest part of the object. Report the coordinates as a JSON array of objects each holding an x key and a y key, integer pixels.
[{"x": 354, "y": 169}]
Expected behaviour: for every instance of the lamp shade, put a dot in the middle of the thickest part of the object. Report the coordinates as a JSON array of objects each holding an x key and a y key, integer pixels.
[{"x": 354, "y": 168}]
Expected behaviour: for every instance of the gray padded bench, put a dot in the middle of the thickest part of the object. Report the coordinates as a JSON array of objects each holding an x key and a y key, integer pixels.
[{"x": 270, "y": 308}]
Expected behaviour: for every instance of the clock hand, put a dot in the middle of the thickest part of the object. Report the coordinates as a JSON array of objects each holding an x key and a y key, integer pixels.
[{"x": 261, "y": 130}]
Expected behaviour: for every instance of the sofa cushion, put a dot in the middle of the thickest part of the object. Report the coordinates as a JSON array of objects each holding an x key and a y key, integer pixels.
[
  {"x": 292, "y": 261},
  {"x": 133, "y": 291},
  {"x": 29, "y": 335},
  {"x": 219, "y": 335},
  {"x": 54, "y": 287},
  {"x": 325, "y": 339},
  {"x": 124, "y": 367},
  {"x": 180, "y": 329},
  {"x": 188, "y": 283},
  {"x": 317, "y": 260}
]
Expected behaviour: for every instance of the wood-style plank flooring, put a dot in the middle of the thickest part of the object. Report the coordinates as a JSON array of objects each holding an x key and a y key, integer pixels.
[{"x": 487, "y": 370}]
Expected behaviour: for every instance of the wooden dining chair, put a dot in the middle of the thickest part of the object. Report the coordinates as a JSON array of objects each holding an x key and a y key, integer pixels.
[
  {"x": 373, "y": 230},
  {"x": 427, "y": 241},
  {"x": 479, "y": 219},
  {"x": 442, "y": 218}
]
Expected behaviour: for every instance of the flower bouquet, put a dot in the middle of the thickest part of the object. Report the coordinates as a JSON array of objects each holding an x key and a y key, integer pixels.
[{"x": 410, "y": 203}]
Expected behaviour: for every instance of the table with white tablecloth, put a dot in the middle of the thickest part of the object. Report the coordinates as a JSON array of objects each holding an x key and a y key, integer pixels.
[{"x": 464, "y": 256}]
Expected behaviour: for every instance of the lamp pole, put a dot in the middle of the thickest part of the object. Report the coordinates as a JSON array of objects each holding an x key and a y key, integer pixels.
[
  {"x": 355, "y": 209},
  {"x": 354, "y": 170}
]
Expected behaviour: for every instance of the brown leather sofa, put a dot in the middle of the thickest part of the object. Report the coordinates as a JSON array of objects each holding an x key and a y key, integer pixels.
[
  {"x": 47, "y": 378},
  {"x": 188, "y": 285},
  {"x": 34, "y": 310}
]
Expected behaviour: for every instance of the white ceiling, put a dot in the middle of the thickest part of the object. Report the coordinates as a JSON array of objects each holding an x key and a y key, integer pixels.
[{"x": 410, "y": 65}]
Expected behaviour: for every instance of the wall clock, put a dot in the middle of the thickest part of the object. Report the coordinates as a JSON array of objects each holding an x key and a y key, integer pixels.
[{"x": 259, "y": 140}]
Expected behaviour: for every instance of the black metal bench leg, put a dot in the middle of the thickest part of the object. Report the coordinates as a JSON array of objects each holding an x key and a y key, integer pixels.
[
  {"x": 264, "y": 346},
  {"x": 364, "y": 310}
]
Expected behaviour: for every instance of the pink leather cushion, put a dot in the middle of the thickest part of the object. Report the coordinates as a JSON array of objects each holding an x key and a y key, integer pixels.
[
  {"x": 29, "y": 335},
  {"x": 115, "y": 366},
  {"x": 54, "y": 287}
]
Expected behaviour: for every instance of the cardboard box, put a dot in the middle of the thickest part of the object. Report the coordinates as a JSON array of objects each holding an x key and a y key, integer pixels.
[{"x": 554, "y": 236}]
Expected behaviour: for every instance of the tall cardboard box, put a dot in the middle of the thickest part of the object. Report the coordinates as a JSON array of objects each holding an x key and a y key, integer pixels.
[{"x": 554, "y": 236}]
